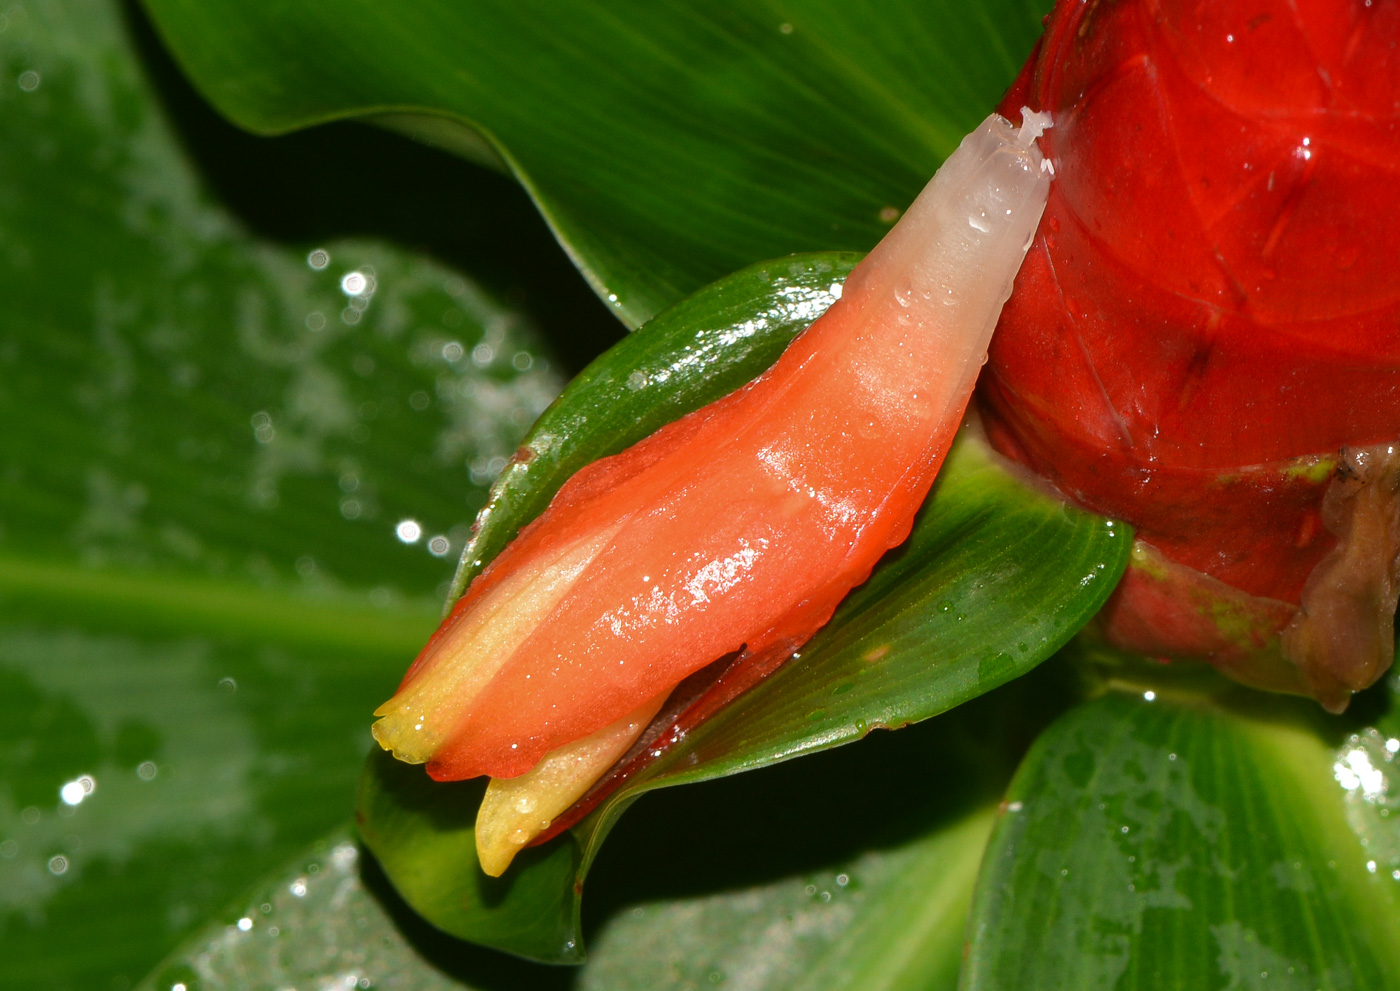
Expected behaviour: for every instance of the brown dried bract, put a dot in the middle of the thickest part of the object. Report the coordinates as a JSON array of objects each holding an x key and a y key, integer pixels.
[{"x": 1343, "y": 637}]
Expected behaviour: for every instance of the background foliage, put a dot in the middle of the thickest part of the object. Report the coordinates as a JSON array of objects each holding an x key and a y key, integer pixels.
[{"x": 209, "y": 443}]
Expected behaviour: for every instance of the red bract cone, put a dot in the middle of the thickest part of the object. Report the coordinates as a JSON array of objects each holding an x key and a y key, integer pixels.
[
  {"x": 1211, "y": 312},
  {"x": 737, "y": 528}
]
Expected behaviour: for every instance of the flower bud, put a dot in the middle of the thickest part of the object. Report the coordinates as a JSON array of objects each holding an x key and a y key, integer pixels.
[{"x": 739, "y": 527}]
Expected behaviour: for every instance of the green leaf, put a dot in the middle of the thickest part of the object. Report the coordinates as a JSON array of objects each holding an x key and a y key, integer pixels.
[
  {"x": 423, "y": 834},
  {"x": 721, "y": 883},
  {"x": 1197, "y": 842},
  {"x": 848, "y": 871},
  {"x": 211, "y": 757},
  {"x": 885, "y": 919},
  {"x": 993, "y": 580},
  {"x": 313, "y": 924},
  {"x": 668, "y": 143},
  {"x": 200, "y": 607},
  {"x": 890, "y": 918}
]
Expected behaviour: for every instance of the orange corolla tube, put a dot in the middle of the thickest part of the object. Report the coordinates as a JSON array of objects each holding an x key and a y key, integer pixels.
[{"x": 740, "y": 526}]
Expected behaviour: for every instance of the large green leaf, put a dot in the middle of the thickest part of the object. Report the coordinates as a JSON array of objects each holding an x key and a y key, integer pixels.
[
  {"x": 993, "y": 580},
  {"x": 1170, "y": 840},
  {"x": 211, "y": 757},
  {"x": 207, "y": 445},
  {"x": 668, "y": 142}
]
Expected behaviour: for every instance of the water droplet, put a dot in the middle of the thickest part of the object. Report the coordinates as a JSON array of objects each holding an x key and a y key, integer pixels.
[
  {"x": 73, "y": 792},
  {"x": 29, "y": 80},
  {"x": 262, "y": 427},
  {"x": 319, "y": 258}
]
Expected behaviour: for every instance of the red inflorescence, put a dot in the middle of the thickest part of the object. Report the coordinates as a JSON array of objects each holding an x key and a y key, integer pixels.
[{"x": 1211, "y": 309}]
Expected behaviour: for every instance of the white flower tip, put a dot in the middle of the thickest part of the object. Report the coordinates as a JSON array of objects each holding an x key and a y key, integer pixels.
[{"x": 1034, "y": 123}]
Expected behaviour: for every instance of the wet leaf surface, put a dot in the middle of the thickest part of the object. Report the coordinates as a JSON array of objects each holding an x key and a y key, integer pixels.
[
  {"x": 1197, "y": 842},
  {"x": 668, "y": 144}
]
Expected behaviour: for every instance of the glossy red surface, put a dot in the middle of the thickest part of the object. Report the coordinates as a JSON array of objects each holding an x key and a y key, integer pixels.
[{"x": 1213, "y": 290}]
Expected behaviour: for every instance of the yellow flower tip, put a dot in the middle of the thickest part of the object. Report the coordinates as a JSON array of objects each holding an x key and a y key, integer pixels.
[
  {"x": 496, "y": 851},
  {"x": 516, "y": 810},
  {"x": 476, "y": 643},
  {"x": 395, "y": 734}
]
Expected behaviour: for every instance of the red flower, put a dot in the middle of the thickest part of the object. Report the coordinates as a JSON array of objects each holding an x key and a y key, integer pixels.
[
  {"x": 737, "y": 528},
  {"x": 1210, "y": 312}
]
